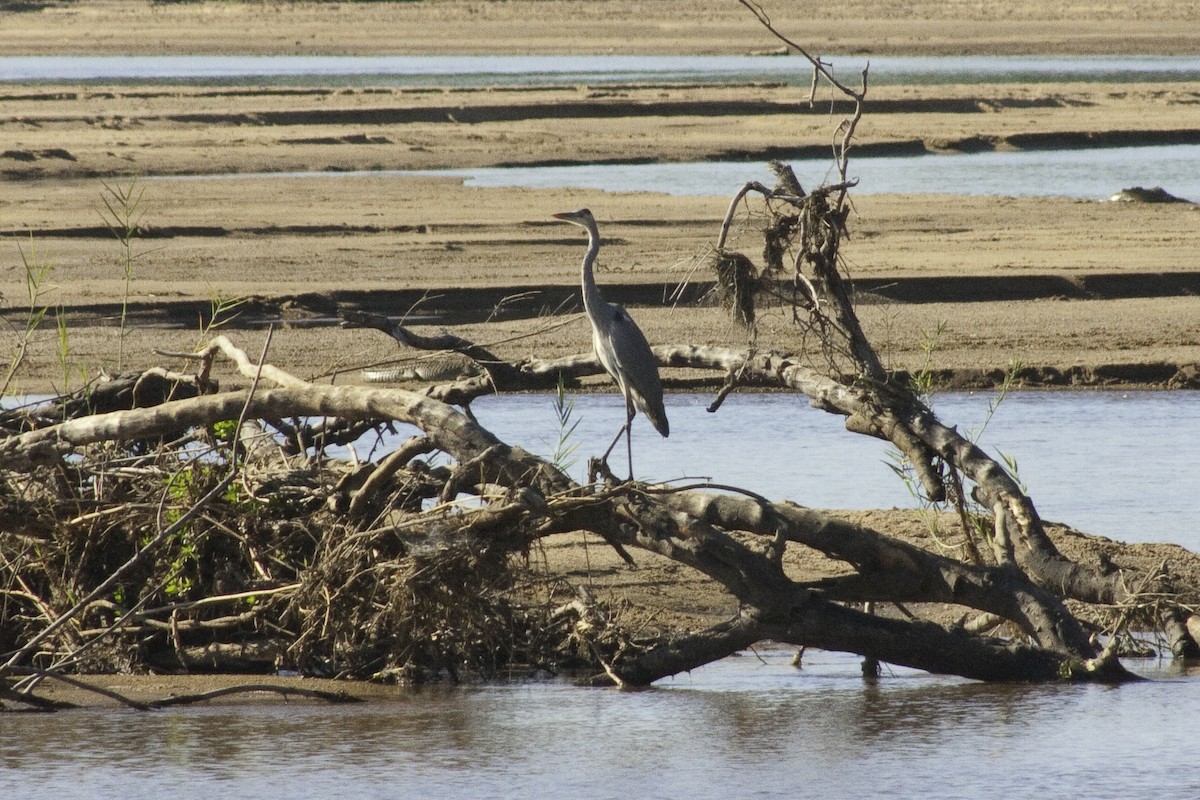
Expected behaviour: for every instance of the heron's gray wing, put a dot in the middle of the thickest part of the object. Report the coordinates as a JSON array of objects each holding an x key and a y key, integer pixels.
[{"x": 629, "y": 353}]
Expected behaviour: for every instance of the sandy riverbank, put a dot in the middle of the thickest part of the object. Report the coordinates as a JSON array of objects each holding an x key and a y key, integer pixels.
[
  {"x": 1048, "y": 284},
  {"x": 610, "y": 26},
  {"x": 1058, "y": 285}
]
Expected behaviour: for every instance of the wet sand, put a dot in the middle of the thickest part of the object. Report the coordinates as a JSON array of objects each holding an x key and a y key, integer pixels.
[
  {"x": 890, "y": 27},
  {"x": 1061, "y": 286}
]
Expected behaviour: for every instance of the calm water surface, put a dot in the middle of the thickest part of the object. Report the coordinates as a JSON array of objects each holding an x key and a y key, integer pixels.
[
  {"x": 1120, "y": 463},
  {"x": 1091, "y": 174},
  {"x": 528, "y": 70},
  {"x": 750, "y": 726},
  {"x": 1094, "y": 174}
]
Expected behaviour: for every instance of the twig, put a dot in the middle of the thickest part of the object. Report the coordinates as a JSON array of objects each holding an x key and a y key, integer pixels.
[
  {"x": 750, "y": 186},
  {"x": 818, "y": 65},
  {"x": 78, "y": 684},
  {"x": 39, "y": 703},
  {"x": 262, "y": 360},
  {"x": 315, "y": 694},
  {"x": 385, "y": 469},
  {"x": 732, "y": 380},
  {"x": 219, "y": 598},
  {"x": 582, "y": 606},
  {"x": 221, "y": 344},
  {"x": 116, "y": 576},
  {"x": 460, "y": 475},
  {"x": 1132, "y": 603}
]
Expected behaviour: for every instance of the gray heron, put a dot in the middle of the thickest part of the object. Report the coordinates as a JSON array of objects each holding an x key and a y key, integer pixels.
[{"x": 620, "y": 345}]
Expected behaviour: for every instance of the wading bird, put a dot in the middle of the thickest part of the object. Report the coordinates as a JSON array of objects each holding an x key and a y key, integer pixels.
[{"x": 620, "y": 345}]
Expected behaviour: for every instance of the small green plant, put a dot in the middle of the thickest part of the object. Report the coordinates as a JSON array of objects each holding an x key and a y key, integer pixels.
[
  {"x": 1006, "y": 385},
  {"x": 900, "y": 465},
  {"x": 1005, "y": 388},
  {"x": 921, "y": 380},
  {"x": 123, "y": 219},
  {"x": 66, "y": 366},
  {"x": 1010, "y": 463},
  {"x": 223, "y": 431},
  {"x": 221, "y": 310},
  {"x": 969, "y": 514},
  {"x": 37, "y": 275},
  {"x": 181, "y": 488},
  {"x": 563, "y": 456},
  {"x": 178, "y": 585}
]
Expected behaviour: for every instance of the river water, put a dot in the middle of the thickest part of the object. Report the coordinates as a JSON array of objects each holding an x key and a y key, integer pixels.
[
  {"x": 1083, "y": 173},
  {"x": 1091, "y": 174},
  {"x": 1119, "y": 463},
  {"x": 460, "y": 70},
  {"x": 746, "y": 727}
]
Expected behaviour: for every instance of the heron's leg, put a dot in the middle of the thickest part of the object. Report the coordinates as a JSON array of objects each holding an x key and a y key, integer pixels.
[
  {"x": 629, "y": 445},
  {"x": 630, "y": 411},
  {"x": 607, "y": 452}
]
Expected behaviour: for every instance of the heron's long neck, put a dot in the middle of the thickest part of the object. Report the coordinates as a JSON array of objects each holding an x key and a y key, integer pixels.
[{"x": 592, "y": 301}]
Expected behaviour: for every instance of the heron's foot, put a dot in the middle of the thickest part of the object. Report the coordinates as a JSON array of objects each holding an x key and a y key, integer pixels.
[{"x": 598, "y": 468}]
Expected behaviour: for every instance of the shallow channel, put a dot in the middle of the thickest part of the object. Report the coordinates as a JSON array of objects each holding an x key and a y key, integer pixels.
[
  {"x": 1086, "y": 174},
  {"x": 1092, "y": 174},
  {"x": 462, "y": 70}
]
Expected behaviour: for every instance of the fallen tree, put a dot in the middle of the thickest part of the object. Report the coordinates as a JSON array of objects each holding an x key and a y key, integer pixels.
[{"x": 182, "y": 536}]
